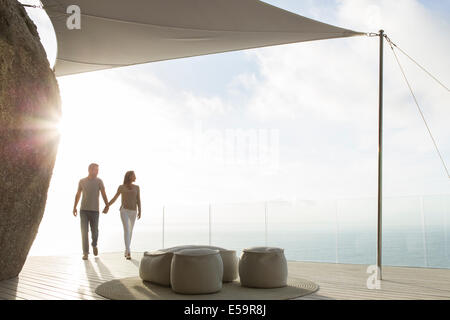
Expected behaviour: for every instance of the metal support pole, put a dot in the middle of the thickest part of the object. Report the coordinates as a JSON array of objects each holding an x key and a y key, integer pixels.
[{"x": 380, "y": 160}]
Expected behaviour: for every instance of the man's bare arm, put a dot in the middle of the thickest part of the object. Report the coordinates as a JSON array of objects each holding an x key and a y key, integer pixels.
[
  {"x": 105, "y": 198},
  {"x": 77, "y": 198}
]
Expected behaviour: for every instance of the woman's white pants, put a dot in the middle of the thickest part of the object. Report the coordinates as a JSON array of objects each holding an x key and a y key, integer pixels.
[{"x": 128, "y": 218}]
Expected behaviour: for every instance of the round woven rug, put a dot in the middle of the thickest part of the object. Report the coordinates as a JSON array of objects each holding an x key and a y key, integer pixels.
[{"x": 135, "y": 288}]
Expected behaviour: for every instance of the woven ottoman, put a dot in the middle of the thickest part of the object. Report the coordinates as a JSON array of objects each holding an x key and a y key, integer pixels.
[
  {"x": 263, "y": 267},
  {"x": 155, "y": 267},
  {"x": 196, "y": 271},
  {"x": 230, "y": 265},
  {"x": 229, "y": 258}
]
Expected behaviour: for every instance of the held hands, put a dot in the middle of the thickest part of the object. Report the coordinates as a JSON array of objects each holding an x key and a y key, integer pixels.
[{"x": 105, "y": 211}]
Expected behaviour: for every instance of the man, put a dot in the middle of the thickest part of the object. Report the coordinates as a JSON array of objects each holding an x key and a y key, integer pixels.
[{"x": 90, "y": 187}]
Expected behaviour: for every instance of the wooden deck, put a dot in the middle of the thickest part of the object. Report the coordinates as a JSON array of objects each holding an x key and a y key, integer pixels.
[{"x": 69, "y": 277}]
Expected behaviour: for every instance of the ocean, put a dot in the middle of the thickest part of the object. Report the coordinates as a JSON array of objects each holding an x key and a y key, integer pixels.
[{"x": 353, "y": 245}]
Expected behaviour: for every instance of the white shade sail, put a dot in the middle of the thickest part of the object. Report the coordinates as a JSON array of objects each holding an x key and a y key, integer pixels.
[{"x": 117, "y": 33}]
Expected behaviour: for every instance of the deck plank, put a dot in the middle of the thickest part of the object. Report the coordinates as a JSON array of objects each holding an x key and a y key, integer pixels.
[
  {"x": 69, "y": 277},
  {"x": 71, "y": 291}
]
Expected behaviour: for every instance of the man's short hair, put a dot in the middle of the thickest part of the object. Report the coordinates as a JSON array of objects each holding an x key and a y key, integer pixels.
[{"x": 92, "y": 165}]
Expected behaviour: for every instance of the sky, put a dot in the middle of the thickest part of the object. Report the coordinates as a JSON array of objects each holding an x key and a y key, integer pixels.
[{"x": 311, "y": 107}]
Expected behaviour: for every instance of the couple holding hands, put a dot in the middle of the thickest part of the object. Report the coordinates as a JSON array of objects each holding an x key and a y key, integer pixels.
[{"x": 89, "y": 189}]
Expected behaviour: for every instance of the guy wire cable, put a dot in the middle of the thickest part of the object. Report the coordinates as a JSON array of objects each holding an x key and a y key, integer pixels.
[{"x": 415, "y": 99}]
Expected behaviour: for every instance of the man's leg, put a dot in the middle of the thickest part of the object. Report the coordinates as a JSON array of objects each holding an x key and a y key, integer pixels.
[
  {"x": 84, "y": 220},
  {"x": 94, "y": 228}
]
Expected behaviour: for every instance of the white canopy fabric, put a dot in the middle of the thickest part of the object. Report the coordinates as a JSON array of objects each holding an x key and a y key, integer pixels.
[{"x": 117, "y": 33}]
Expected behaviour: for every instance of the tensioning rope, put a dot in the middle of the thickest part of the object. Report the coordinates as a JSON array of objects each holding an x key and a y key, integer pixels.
[
  {"x": 416, "y": 63},
  {"x": 392, "y": 45}
]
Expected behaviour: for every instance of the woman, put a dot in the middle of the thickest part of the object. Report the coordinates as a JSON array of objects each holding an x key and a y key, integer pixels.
[{"x": 130, "y": 201}]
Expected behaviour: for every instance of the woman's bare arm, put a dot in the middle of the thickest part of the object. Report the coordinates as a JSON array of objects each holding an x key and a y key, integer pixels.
[
  {"x": 139, "y": 201},
  {"x": 115, "y": 197}
]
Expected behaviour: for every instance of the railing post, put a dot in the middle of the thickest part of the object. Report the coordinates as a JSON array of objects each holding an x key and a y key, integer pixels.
[
  {"x": 446, "y": 210},
  {"x": 424, "y": 234},
  {"x": 336, "y": 204},
  {"x": 265, "y": 222},
  {"x": 163, "y": 216},
  {"x": 209, "y": 212}
]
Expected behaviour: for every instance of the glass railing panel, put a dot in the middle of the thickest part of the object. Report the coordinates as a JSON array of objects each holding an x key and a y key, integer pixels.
[
  {"x": 402, "y": 232},
  {"x": 147, "y": 233},
  {"x": 306, "y": 230},
  {"x": 415, "y": 231},
  {"x": 356, "y": 224},
  {"x": 435, "y": 229},
  {"x": 238, "y": 226},
  {"x": 186, "y": 225}
]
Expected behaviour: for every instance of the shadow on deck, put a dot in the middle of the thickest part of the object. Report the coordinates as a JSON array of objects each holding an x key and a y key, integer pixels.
[{"x": 69, "y": 277}]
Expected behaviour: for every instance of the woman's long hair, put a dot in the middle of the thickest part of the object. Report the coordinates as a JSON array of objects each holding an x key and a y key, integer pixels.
[{"x": 127, "y": 178}]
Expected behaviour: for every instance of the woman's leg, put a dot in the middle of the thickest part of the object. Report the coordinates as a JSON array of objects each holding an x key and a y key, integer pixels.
[
  {"x": 132, "y": 219},
  {"x": 126, "y": 230}
]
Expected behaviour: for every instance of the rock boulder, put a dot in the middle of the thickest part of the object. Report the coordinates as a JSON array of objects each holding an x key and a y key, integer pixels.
[{"x": 30, "y": 108}]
